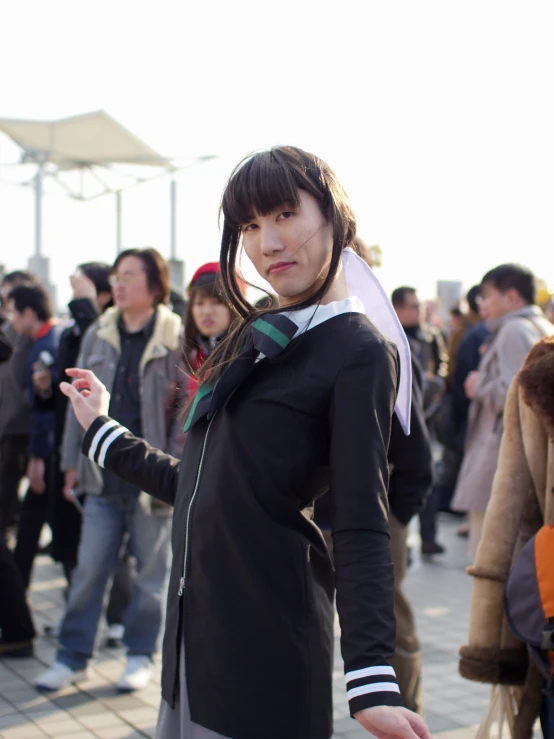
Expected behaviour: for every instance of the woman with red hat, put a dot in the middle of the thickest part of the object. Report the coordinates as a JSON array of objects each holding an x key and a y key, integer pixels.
[{"x": 207, "y": 319}]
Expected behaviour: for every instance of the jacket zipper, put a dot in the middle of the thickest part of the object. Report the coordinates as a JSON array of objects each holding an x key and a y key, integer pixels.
[{"x": 183, "y": 579}]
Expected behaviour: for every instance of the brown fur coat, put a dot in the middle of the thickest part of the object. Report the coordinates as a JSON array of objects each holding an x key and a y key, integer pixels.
[{"x": 522, "y": 501}]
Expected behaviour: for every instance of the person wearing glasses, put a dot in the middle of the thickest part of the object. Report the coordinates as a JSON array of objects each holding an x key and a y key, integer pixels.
[{"x": 135, "y": 347}]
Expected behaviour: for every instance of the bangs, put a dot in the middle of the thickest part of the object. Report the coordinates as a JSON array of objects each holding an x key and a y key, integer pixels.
[
  {"x": 209, "y": 287},
  {"x": 260, "y": 185}
]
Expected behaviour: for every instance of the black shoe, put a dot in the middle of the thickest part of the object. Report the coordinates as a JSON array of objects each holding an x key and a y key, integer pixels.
[
  {"x": 431, "y": 547},
  {"x": 16, "y": 649},
  {"x": 114, "y": 639}
]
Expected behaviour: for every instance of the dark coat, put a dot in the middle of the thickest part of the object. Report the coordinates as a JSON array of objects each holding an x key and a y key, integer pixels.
[
  {"x": 41, "y": 443},
  {"x": 66, "y": 519},
  {"x": 251, "y": 581},
  {"x": 15, "y": 409},
  {"x": 467, "y": 360},
  {"x": 410, "y": 458},
  {"x": 84, "y": 312}
]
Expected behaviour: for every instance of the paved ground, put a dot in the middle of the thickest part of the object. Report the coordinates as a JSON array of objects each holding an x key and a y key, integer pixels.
[{"x": 440, "y": 591}]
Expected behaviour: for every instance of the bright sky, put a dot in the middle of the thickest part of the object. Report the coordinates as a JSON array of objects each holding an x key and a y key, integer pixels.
[{"x": 437, "y": 117}]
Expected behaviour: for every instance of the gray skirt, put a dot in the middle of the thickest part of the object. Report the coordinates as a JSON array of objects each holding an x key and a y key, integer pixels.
[{"x": 175, "y": 723}]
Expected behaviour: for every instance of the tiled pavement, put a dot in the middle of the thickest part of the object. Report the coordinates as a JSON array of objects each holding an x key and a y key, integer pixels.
[{"x": 440, "y": 591}]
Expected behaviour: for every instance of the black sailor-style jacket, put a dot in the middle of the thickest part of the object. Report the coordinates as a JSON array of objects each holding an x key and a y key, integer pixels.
[{"x": 252, "y": 586}]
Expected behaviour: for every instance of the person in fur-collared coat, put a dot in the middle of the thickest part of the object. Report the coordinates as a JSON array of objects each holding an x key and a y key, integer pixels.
[{"x": 522, "y": 501}]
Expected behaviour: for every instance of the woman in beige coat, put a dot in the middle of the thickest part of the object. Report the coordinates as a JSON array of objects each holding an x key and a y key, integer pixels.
[{"x": 522, "y": 501}]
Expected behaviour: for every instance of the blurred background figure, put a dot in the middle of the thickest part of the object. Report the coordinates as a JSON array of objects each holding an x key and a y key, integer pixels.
[
  {"x": 207, "y": 319},
  {"x": 135, "y": 348},
  {"x": 15, "y": 410},
  {"x": 427, "y": 346},
  {"x": 467, "y": 335},
  {"x": 32, "y": 312},
  {"x": 516, "y": 323},
  {"x": 91, "y": 296},
  {"x": 16, "y": 624}
]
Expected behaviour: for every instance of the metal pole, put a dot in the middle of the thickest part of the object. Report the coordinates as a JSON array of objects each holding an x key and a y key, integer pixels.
[
  {"x": 118, "y": 221},
  {"x": 38, "y": 211},
  {"x": 173, "y": 216}
]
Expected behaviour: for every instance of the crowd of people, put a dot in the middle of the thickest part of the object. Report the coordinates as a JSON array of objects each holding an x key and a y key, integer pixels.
[{"x": 159, "y": 377}]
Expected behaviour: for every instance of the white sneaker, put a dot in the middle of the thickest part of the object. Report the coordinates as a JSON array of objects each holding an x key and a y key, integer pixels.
[
  {"x": 58, "y": 676},
  {"x": 137, "y": 674}
]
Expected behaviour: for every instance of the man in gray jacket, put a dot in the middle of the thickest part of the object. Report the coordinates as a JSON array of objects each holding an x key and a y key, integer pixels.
[
  {"x": 516, "y": 323},
  {"x": 135, "y": 350}
]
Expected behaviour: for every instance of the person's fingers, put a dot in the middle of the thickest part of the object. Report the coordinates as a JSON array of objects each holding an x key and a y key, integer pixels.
[
  {"x": 82, "y": 374},
  {"x": 68, "y": 389},
  {"x": 406, "y": 732},
  {"x": 77, "y": 372},
  {"x": 85, "y": 393},
  {"x": 419, "y": 726},
  {"x": 81, "y": 383},
  {"x": 86, "y": 379}
]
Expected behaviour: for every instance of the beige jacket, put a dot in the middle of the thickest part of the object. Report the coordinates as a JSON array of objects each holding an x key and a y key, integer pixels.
[
  {"x": 162, "y": 376},
  {"x": 521, "y": 502},
  {"x": 514, "y": 336}
]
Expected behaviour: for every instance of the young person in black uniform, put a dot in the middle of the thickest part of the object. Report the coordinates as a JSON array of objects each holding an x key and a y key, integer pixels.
[{"x": 292, "y": 403}]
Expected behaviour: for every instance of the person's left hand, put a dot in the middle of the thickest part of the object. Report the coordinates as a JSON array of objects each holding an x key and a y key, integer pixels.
[
  {"x": 83, "y": 287},
  {"x": 42, "y": 380},
  {"x": 470, "y": 384},
  {"x": 87, "y": 394},
  {"x": 35, "y": 473},
  {"x": 393, "y": 722}
]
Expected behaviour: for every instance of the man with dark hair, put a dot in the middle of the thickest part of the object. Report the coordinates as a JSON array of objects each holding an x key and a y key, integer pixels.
[
  {"x": 427, "y": 347},
  {"x": 15, "y": 412},
  {"x": 9, "y": 281},
  {"x": 425, "y": 343},
  {"x": 32, "y": 316},
  {"x": 501, "y": 281},
  {"x": 135, "y": 349},
  {"x": 515, "y": 323}
]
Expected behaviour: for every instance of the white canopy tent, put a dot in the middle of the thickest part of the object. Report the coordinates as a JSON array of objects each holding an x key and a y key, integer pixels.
[{"x": 88, "y": 156}]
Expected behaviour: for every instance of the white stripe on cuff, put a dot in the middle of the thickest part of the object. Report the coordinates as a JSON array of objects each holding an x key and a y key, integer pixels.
[
  {"x": 369, "y": 672},
  {"x": 373, "y": 688},
  {"x": 98, "y": 435},
  {"x": 106, "y": 444}
]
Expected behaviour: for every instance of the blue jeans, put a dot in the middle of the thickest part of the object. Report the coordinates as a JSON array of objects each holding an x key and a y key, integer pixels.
[{"x": 106, "y": 521}]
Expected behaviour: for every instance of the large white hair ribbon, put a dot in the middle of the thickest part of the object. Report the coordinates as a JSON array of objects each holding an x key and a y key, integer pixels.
[{"x": 362, "y": 283}]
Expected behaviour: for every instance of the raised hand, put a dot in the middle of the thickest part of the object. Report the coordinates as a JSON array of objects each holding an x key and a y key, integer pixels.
[
  {"x": 88, "y": 396},
  {"x": 387, "y": 722},
  {"x": 83, "y": 287}
]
